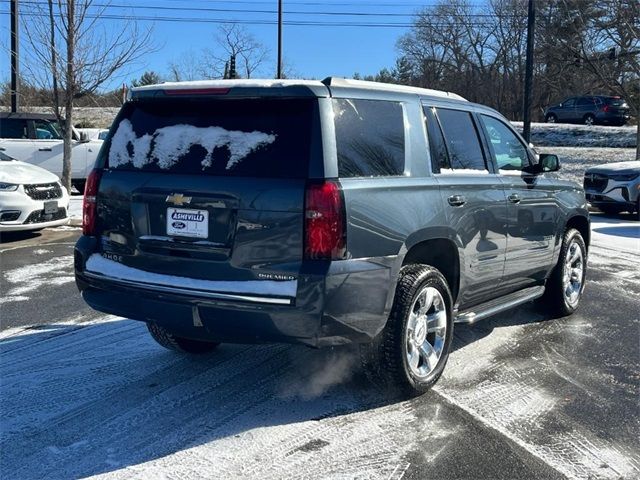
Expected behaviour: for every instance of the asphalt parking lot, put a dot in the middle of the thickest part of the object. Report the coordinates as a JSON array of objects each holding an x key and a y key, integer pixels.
[{"x": 523, "y": 395}]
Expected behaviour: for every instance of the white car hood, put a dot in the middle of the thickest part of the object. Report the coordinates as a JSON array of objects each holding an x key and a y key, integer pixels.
[
  {"x": 24, "y": 173},
  {"x": 616, "y": 167}
]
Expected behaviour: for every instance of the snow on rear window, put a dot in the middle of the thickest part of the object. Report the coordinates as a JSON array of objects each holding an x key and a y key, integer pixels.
[
  {"x": 168, "y": 144},
  {"x": 238, "y": 137}
]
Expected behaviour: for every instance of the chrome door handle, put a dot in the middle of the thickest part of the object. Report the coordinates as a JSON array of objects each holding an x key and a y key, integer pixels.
[
  {"x": 456, "y": 200},
  {"x": 514, "y": 198}
]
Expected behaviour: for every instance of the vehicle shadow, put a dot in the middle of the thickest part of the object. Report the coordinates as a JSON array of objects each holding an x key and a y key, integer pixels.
[
  {"x": 622, "y": 231},
  {"x": 11, "y": 237}
]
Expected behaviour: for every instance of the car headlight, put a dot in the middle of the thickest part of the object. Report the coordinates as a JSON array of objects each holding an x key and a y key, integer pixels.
[
  {"x": 626, "y": 177},
  {"x": 8, "y": 187}
]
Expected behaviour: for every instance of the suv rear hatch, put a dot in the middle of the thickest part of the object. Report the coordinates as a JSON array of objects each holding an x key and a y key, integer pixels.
[{"x": 207, "y": 189}]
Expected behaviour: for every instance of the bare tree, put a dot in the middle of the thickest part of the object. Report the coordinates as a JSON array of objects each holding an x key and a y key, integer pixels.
[
  {"x": 73, "y": 55},
  {"x": 189, "y": 66},
  {"x": 610, "y": 50},
  {"x": 235, "y": 40}
]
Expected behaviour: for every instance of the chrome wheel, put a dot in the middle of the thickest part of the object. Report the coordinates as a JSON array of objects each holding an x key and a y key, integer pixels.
[
  {"x": 426, "y": 332},
  {"x": 573, "y": 274},
  {"x": 589, "y": 120}
]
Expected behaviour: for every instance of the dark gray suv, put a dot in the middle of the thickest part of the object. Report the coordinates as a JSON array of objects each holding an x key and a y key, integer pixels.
[
  {"x": 324, "y": 213},
  {"x": 590, "y": 110}
]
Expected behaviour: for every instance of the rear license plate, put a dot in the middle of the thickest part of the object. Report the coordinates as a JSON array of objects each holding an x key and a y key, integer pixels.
[
  {"x": 187, "y": 222},
  {"x": 50, "y": 207}
]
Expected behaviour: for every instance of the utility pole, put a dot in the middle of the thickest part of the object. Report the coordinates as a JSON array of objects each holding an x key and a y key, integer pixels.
[
  {"x": 15, "y": 67},
  {"x": 528, "y": 75},
  {"x": 279, "y": 70}
]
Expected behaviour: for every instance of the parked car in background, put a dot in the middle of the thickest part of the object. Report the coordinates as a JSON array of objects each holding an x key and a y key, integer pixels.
[
  {"x": 614, "y": 187},
  {"x": 31, "y": 198},
  {"x": 94, "y": 133},
  {"x": 345, "y": 212},
  {"x": 37, "y": 139},
  {"x": 590, "y": 110}
]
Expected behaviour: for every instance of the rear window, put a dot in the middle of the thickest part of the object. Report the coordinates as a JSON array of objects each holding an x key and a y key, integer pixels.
[
  {"x": 369, "y": 137},
  {"x": 239, "y": 137},
  {"x": 615, "y": 102}
]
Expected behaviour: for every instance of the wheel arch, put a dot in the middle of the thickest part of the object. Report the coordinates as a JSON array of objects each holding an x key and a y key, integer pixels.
[
  {"x": 580, "y": 223},
  {"x": 441, "y": 253}
]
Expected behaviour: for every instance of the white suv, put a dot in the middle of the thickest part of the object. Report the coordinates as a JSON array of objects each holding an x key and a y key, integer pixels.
[{"x": 37, "y": 139}]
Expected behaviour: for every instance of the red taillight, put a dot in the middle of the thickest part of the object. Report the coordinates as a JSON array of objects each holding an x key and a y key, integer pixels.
[
  {"x": 89, "y": 203},
  {"x": 605, "y": 108},
  {"x": 324, "y": 226}
]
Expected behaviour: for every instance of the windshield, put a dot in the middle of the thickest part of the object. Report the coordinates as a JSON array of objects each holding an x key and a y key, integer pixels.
[{"x": 240, "y": 137}]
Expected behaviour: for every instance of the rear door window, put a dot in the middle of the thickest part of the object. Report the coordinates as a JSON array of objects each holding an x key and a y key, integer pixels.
[
  {"x": 463, "y": 144},
  {"x": 14, "y": 128},
  {"x": 232, "y": 137},
  {"x": 369, "y": 137}
]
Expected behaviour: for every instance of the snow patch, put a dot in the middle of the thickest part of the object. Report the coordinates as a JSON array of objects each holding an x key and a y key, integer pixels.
[
  {"x": 168, "y": 144},
  {"x": 31, "y": 277},
  {"x": 109, "y": 268}
]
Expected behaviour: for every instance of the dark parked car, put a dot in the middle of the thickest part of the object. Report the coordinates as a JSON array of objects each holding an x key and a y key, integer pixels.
[
  {"x": 324, "y": 213},
  {"x": 590, "y": 110},
  {"x": 614, "y": 187}
]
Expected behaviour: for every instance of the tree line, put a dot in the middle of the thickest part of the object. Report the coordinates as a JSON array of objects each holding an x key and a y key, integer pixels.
[{"x": 478, "y": 51}]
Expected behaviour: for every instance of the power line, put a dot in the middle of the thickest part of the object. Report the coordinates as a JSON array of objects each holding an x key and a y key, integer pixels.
[
  {"x": 270, "y": 12},
  {"x": 262, "y": 22}
]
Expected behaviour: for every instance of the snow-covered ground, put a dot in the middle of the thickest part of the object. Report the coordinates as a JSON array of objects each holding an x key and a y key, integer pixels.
[
  {"x": 570, "y": 135},
  {"x": 75, "y": 208}
]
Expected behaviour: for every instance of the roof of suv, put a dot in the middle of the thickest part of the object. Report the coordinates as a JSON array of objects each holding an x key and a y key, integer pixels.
[
  {"x": 28, "y": 116},
  {"x": 222, "y": 86}
]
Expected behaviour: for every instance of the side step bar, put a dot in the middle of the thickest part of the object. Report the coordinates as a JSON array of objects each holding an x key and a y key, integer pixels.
[{"x": 492, "y": 307}]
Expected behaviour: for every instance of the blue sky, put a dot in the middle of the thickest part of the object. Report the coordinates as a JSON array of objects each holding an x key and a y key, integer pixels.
[{"x": 311, "y": 51}]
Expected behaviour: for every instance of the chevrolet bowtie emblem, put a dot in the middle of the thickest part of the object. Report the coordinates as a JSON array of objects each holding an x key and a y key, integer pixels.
[{"x": 178, "y": 199}]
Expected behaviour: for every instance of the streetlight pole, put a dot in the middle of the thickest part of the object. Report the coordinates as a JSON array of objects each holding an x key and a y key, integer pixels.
[
  {"x": 279, "y": 69},
  {"x": 15, "y": 74},
  {"x": 528, "y": 75}
]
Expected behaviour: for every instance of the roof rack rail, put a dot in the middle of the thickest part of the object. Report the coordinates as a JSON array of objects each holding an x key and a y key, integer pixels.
[{"x": 347, "y": 82}]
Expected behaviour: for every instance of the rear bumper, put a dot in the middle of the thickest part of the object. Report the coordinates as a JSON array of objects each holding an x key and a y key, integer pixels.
[{"x": 337, "y": 303}]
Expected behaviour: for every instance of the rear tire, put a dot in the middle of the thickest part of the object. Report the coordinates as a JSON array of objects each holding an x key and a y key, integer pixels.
[
  {"x": 565, "y": 286},
  {"x": 589, "y": 119},
  {"x": 179, "y": 344},
  {"x": 410, "y": 354}
]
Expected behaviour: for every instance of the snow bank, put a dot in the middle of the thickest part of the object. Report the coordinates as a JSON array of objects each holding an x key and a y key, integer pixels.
[
  {"x": 568, "y": 135},
  {"x": 168, "y": 144}
]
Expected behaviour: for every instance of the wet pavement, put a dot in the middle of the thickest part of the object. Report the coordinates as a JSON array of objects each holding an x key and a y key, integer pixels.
[{"x": 523, "y": 395}]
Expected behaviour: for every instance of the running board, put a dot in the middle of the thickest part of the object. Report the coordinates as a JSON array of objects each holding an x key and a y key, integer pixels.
[{"x": 498, "y": 305}]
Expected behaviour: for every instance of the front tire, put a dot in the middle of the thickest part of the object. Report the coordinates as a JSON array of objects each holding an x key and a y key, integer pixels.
[
  {"x": 551, "y": 118},
  {"x": 410, "y": 353},
  {"x": 179, "y": 344},
  {"x": 565, "y": 286}
]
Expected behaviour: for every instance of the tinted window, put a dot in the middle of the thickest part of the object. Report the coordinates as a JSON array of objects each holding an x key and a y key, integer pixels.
[
  {"x": 439, "y": 156},
  {"x": 569, "y": 102},
  {"x": 586, "y": 101},
  {"x": 253, "y": 138},
  {"x": 465, "y": 152},
  {"x": 615, "y": 102},
  {"x": 47, "y": 130},
  {"x": 369, "y": 137},
  {"x": 13, "y": 128},
  {"x": 506, "y": 147}
]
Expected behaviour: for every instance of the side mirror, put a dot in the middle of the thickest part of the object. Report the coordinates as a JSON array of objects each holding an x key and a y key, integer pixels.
[
  {"x": 549, "y": 162},
  {"x": 84, "y": 138}
]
